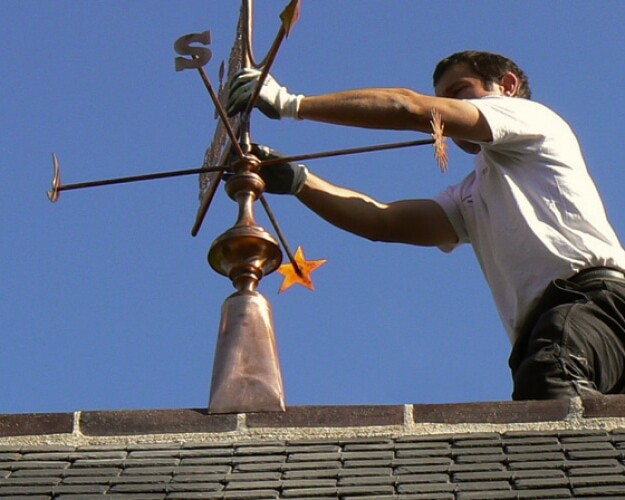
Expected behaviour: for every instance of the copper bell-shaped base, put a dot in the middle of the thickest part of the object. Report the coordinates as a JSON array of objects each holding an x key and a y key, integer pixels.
[{"x": 246, "y": 370}]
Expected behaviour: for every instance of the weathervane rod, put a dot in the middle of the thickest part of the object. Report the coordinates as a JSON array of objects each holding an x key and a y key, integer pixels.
[
  {"x": 57, "y": 187},
  {"x": 289, "y": 17}
]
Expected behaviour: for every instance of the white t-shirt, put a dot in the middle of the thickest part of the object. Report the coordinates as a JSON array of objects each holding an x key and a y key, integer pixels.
[{"x": 530, "y": 208}]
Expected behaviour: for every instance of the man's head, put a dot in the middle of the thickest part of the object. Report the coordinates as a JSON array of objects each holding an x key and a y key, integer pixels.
[{"x": 493, "y": 70}]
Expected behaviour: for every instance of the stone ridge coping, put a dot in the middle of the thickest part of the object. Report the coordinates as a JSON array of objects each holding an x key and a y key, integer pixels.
[{"x": 304, "y": 422}]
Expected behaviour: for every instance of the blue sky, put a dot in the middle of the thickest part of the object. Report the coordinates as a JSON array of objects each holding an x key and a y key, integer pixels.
[{"x": 107, "y": 302}]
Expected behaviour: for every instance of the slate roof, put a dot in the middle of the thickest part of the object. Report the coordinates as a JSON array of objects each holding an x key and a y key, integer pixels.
[{"x": 481, "y": 451}]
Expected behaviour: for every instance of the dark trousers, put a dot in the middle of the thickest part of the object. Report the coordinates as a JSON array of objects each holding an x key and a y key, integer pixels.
[{"x": 574, "y": 341}]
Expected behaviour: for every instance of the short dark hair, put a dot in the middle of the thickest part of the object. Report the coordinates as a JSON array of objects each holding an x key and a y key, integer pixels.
[{"x": 488, "y": 66}]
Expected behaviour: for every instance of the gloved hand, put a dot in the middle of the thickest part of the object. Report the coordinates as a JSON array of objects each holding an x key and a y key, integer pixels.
[
  {"x": 281, "y": 178},
  {"x": 274, "y": 100}
]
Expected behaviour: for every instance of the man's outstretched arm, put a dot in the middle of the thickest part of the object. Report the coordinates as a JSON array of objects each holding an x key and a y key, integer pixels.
[
  {"x": 383, "y": 108},
  {"x": 418, "y": 222}
]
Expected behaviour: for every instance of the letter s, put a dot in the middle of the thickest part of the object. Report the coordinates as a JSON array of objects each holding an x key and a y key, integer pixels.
[{"x": 199, "y": 55}]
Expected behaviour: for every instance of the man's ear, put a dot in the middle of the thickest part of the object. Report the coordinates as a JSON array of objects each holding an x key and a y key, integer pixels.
[{"x": 510, "y": 83}]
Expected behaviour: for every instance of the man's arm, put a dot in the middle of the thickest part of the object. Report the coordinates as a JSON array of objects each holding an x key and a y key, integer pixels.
[
  {"x": 418, "y": 222},
  {"x": 396, "y": 108},
  {"x": 384, "y": 108}
]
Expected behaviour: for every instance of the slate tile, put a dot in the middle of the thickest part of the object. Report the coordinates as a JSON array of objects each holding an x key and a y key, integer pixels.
[
  {"x": 616, "y": 490},
  {"x": 482, "y": 476},
  {"x": 313, "y": 457},
  {"x": 549, "y": 434},
  {"x": 365, "y": 471},
  {"x": 41, "y": 481},
  {"x": 483, "y": 486},
  {"x": 548, "y": 493},
  {"x": 385, "y": 444},
  {"x": 369, "y": 490},
  {"x": 198, "y": 478},
  {"x": 580, "y": 481},
  {"x": 327, "y": 464},
  {"x": 131, "y": 479},
  {"x": 138, "y": 488},
  {"x": 150, "y": 462},
  {"x": 309, "y": 483},
  {"x": 260, "y": 450},
  {"x": 206, "y": 445},
  {"x": 541, "y": 483},
  {"x": 477, "y": 467},
  {"x": 520, "y": 439},
  {"x": 309, "y": 492},
  {"x": 423, "y": 445},
  {"x": 501, "y": 457},
  {"x": 424, "y": 452},
  {"x": 124, "y": 423},
  {"x": 140, "y": 446},
  {"x": 198, "y": 485},
  {"x": 80, "y": 489},
  {"x": 430, "y": 438},
  {"x": 206, "y": 469},
  {"x": 368, "y": 455},
  {"x": 593, "y": 437},
  {"x": 536, "y": 457},
  {"x": 369, "y": 463},
  {"x": 596, "y": 471},
  {"x": 197, "y": 461},
  {"x": 422, "y": 478},
  {"x": 537, "y": 465},
  {"x": 258, "y": 467},
  {"x": 243, "y": 459},
  {"x": 149, "y": 470},
  {"x": 459, "y": 452},
  {"x": 366, "y": 480},
  {"x": 542, "y": 448},
  {"x": 25, "y": 490},
  {"x": 36, "y": 472},
  {"x": 587, "y": 446},
  {"x": 88, "y": 479},
  {"x": 535, "y": 474},
  {"x": 428, "y": 496},
  {"x": 310, "y": 474},
  {"x": 422, "y": 461},
  {"x": 477, "y": 439},
  {"x": 426, "y": 488},
  {"x": 592, "y": 463},
  {"x": 252, "y": 476},
  {"x": 420, "y": 469},
  {"x": 39, "y": 464},
  {"x": 594, "y": 454},
  {"x": 313, "y": 448},
  {"x": 94, "y": 464},
  {"x": 486, "y": 495}
]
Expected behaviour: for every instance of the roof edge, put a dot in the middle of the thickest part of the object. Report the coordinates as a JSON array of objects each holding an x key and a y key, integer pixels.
[{"x": 607, "y": 413}]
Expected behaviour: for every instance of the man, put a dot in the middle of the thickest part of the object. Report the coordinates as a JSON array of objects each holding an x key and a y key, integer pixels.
[{"x": 529, "y": 208}]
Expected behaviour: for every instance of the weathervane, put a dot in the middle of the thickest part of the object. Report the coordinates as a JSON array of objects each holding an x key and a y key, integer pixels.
[{"x": 246, "y": 371}]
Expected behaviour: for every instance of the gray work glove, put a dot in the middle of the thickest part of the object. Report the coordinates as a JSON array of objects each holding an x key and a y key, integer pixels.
[
  {"x": 273, "y": 101},
  {"x": 281, "y": 178}
]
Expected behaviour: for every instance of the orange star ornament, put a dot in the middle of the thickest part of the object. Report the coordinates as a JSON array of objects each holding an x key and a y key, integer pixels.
[{"x": 292, "y": 277}]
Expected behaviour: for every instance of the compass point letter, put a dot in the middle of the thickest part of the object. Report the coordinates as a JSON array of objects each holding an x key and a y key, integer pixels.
[{"x": 199, "y": 55}]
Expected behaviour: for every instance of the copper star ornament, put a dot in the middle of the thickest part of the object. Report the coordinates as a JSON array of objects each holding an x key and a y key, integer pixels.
[{"x": 292, "y": 277}]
